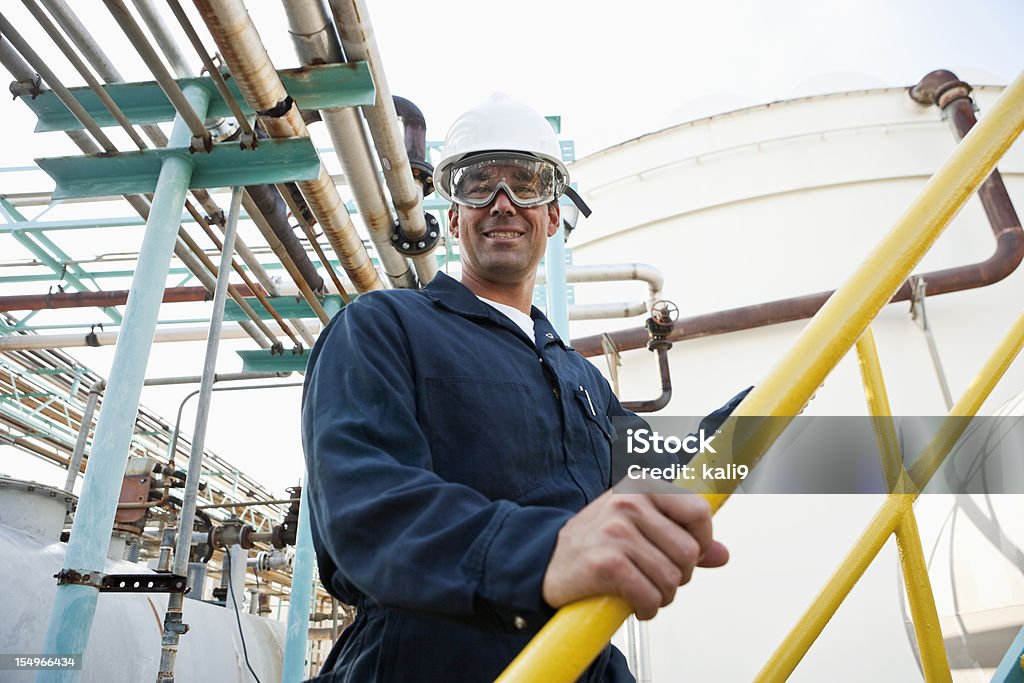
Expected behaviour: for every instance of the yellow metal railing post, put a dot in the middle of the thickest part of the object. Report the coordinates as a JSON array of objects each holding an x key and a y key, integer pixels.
[
  {"x": 587, "y": 627},
  {"x": 889, "y": 519},
  {"x": 921, "y": 599},
  {"x": 890, "y": 457}
]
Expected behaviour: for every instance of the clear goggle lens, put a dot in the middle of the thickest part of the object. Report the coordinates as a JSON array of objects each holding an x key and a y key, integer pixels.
[{"x": 528, "y": 181}]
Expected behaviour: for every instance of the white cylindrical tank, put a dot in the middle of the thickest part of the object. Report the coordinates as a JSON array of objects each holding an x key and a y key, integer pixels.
[
  {"x": 124, "y": 643},
  {"x": 784, "y": 200}
]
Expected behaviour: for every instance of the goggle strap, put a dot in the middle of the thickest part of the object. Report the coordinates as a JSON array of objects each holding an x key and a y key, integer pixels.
[{"x": 578, "y": 201}]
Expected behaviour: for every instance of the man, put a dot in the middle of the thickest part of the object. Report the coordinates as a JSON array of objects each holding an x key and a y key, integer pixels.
[{"x": 459, "y": 453}]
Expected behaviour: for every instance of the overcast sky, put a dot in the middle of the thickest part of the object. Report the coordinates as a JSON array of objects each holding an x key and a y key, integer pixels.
[{"x": 612, "y": 71}]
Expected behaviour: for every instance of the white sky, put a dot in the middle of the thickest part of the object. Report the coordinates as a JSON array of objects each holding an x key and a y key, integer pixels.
[{"x": 612, "y": 74}]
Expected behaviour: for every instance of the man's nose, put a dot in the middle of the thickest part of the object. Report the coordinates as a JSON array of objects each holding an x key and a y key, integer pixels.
[{"x": 502, "y": 204}]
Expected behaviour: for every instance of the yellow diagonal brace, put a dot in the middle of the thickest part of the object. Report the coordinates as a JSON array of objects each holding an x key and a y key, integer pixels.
[
  {"x": 824, "y": 341},
  {"x": 891, "y": 515},
  {"x": 922, "y": 600},
  {"x": 891, "y": 460}
]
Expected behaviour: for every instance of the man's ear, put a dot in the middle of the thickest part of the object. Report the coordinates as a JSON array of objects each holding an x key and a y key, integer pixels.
[
  {"x": 554, "y": 217},
  {"x": 453, "y": 220}
]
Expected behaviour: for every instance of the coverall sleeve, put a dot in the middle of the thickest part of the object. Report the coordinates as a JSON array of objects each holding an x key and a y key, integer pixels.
[{"x": 381, "y": 519}]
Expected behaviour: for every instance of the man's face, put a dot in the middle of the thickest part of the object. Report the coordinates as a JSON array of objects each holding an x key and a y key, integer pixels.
[{"x": 503, "y": 242}]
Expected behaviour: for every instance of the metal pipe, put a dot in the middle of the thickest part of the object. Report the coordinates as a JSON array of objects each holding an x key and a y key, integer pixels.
[
  {"x": 92, "y": 51},
  {"x": 189, "y": 257},
  {"x": 359, "y": 44},
  {"x": 651, "y": 405},
  {"x": 357, "y": 39},
  {"x": 105, "y": 338},
  {"x": 557, "y": 289},
  {"x": 58, "y": 88},
  {"x": 183, "y": 546},
  {"x": 243, "y": 52},
  {"x": 37, "y": 302},
  {"x": 191, "y": 244},
  {"x": 270, "y": 203},
  {"x": 75, "y": 464},
  {"x": 943, "y": 89},
  {"x": 610, "y": 273},
  {"x": 245, "y": 276},
  {"x": 152, "y": 60},
  {"x": 75, "y": 604},
  {"x": 67, "y": 20},
  {"x": 275, "y": 245},
  {"x": 217, "y": 377},
  {"x": 292, "y": 670},
  {"x": 83, "y": 70},
  {"x": 211, "y": 69},
  {"x": 163, "y": 37}
]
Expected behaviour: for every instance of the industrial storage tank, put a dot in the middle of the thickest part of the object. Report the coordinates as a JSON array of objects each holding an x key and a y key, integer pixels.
[
  {"x": 125, "y": 641},
  {"x": 785, "y": 200}
]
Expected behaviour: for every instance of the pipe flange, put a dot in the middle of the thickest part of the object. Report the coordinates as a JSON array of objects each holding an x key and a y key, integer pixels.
[
  {"x": 414, "y": 247},
  {"x": 423, "y": 173}
]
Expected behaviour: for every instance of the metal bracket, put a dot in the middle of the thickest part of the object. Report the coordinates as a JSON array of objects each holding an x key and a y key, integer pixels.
[
  {"x": 414, "y": 247},
  {"x": 918, "y": 314},
  {"x": 144, "y": 583},
  {"x": 71, "y": 576}
]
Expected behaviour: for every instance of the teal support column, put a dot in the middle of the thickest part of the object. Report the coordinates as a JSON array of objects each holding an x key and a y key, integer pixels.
[
  {"x": 1011, "y": 669},
  {"x": 301, "y": 599},
  {"x": 75, "y": 604},
  {"x": 557, "y": 290}
]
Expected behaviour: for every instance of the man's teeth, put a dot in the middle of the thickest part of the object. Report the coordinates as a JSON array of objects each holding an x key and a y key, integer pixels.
[{"x": 503, "y": 234}]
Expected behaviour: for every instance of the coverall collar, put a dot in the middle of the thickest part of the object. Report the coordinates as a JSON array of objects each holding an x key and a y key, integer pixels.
[{"x": 451, "y": 294}]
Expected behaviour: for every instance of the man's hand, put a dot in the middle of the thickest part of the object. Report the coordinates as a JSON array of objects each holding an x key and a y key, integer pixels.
[{"x": 638, "y": 546}]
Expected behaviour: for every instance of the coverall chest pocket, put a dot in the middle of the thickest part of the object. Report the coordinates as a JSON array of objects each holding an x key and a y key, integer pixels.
[
  {"x": 483, "y": 434},
  {"x": 601, "y": 433}
]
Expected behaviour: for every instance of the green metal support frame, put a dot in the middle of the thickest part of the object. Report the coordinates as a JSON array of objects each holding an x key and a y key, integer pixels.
[
  {"x": 97, "y": 175},
  {"x": 314, "y": 87}
]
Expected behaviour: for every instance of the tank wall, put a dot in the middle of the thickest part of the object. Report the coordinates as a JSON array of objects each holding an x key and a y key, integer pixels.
[{"x": 124, "y": 643}]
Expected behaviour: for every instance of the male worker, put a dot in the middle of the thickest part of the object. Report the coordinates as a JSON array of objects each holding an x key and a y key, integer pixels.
[{"x": 458, "y": 451}]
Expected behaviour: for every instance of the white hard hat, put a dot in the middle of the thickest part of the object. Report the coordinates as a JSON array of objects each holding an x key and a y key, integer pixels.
[{"x": 498, "y": 124}]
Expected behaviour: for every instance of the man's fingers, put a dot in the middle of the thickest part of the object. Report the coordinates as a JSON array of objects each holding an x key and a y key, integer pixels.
[
  {"x": 690, "y": 511},
  {"x": 716, "y": 556}
]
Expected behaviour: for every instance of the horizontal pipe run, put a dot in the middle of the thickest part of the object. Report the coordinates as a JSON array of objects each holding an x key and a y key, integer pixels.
[
  {"x": 71, "y": 341},
  {"x": 1007, "y": 256},
  {"x": 36, "y": 302}
]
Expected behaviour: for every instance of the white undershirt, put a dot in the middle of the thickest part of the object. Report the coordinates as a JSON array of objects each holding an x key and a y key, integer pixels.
[{"x": 521, "y": 319}]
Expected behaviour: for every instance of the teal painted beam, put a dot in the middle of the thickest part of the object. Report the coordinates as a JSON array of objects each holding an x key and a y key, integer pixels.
[
  {"x": 264, "y": 360},
  {"x": 74, "y": 605},
  {"x": 314, "y": 87},
  {"x": 286, "y": 306},
  {"x": 109, "y": 175},
  {"x": 1011, "y": 668}
]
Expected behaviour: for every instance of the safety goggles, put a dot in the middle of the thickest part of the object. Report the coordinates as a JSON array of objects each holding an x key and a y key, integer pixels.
[{"x": 527, "y": 180}]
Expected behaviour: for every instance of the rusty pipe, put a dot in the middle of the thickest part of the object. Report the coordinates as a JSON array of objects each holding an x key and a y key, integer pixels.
[
  {"x": 651, "y": 405},
  {"x": 38, "y": 302},
  {"x": 943, "y": 89},
  {"x": 243, "y": 52}
]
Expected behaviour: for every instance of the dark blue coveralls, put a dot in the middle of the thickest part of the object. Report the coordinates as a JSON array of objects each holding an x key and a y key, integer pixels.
[{"x": 445, "y": 450}]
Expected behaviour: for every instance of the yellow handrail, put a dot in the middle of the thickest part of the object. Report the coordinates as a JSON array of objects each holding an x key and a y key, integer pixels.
[
  {"x": 896, "y": 515},
  {"x": 577, "y": 633}
]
